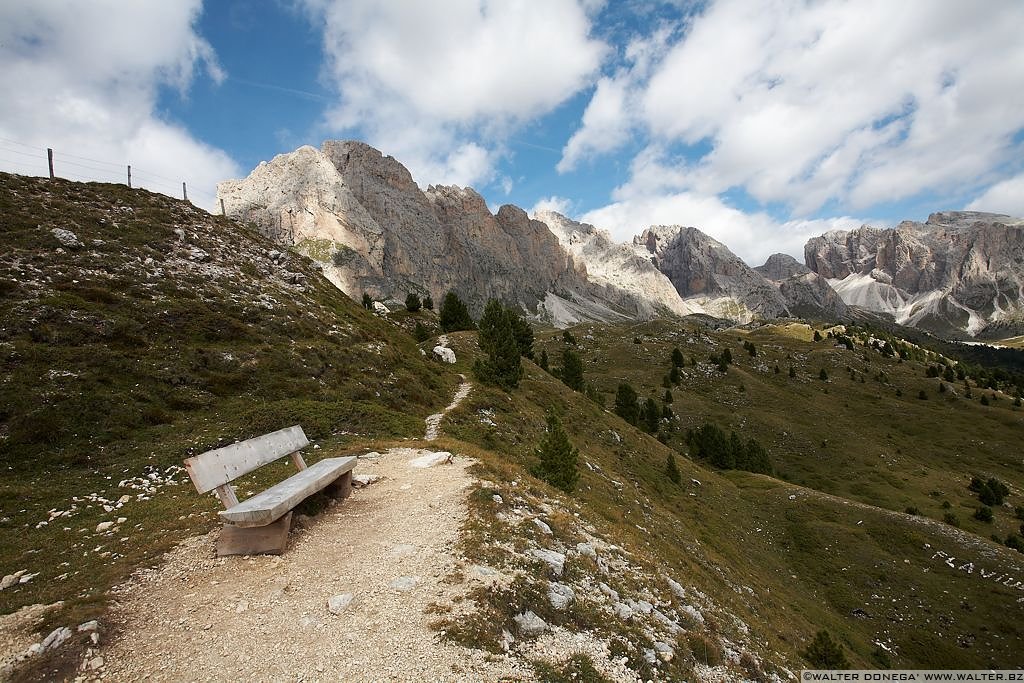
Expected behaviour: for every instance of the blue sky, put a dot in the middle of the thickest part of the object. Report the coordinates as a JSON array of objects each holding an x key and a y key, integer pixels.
[{"x": 761, "y": 123}]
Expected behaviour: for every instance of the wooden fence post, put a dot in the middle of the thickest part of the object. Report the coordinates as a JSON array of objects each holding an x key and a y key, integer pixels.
[
  {"x": 49, "y": 158},
  {"x": 222, "y": 211}
]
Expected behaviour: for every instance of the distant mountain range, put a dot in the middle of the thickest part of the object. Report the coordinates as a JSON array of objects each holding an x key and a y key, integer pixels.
[{"x": 372, "y": 229}]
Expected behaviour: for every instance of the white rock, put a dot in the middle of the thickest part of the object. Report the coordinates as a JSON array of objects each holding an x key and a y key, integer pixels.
[
  {"x": 122, "y": 520},
  {"x": 405, "y": 583},
  {"x": 560, "y": 595},
  {"x": 586, "y": 550},
  {"x": 542, "y": 526},
  {"x": 57, "y": 637},
  {"x": 530, "y": 624},
  {"x": 67, "y": 238},
  {"x": 89, "y": 626},
  {"x": 497, "y": 499},
  {"x": 623, "y": 611},
  {"x": 431, "y": 459},
  {"x": 694, "y": 613},
  {"x": 336, "y": 604},
  {"x": 444, "y": 354},
  {"x": 27, "y": 577},
  {"x": 11, "y": 579},
  {"x": 361, "y": 480},
  {"x": 679, "y": 591},
  {"x": 124, "y": 499},
  {"x": 664, "y": 651},
  {"x": 554, "y": 559},
  {"x": 103, "y": 526},
  {"x": 380, "y": 309}
]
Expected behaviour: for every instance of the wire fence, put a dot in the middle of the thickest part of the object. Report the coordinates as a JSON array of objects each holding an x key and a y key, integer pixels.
[{"x": 25, "y": 159}]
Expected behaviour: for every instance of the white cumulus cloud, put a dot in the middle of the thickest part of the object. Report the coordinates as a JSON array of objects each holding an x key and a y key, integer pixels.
[
  {"x": 1003, "y": 197},
  {"x": 751, "y": 236},
  {"x": 83, "y": 79},
  {"x": 439, "y": 85},
  {"x": 802, "y": 104}
]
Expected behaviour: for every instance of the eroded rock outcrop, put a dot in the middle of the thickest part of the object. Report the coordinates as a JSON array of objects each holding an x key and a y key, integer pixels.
[
  {"x": 362, "y": 216},
  {"x": 704, "y": 269},
  {"x": 958, "y": 272}
]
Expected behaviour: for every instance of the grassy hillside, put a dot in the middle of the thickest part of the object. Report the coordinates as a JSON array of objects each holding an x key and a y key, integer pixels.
[
  {"x": 160, "y": 331},
  {"x": 785, "y": 559},
  {"x": 164, "y": 332}
]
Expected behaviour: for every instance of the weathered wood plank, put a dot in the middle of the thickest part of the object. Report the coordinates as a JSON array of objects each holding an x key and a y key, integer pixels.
[
  {"x": 264, "y": 508},
  {"x": 221, "y": 465},
  {"x": 226, "y": 493},
  {"x": 270, "y": 539},
  {"x": 341, "y": 488}
]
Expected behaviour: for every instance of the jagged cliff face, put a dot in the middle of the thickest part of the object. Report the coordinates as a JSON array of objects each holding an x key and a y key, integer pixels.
[
  {"x": 618, "y": 266},
  {"x": 705, "y": 271},
  {"x": 363, "y": 217},
  {"x": 958, "y": 272}
]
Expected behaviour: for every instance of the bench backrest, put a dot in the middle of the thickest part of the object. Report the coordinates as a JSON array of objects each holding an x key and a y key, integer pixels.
[{"x": 222, "y": 465}]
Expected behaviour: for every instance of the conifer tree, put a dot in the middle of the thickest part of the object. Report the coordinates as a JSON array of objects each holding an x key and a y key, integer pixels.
[
  {"x": 792, "y": 372},
  {"x": 544, "y": 360},
  {"x": 522, "y": 331},
  {"x": 667, "y": 398},
  {"x": 673, "y": 375},
  {"x": 496, "y": 338},
  {"x": 652, "y": 416},
  {"x": 454, "y": 315},
  {"x": 558, "y": 458},
  {"x": 825, "y": 653},
  {"x": 572, "y": 370},
  {"x": 677, "y": 358},
  {"x": 412, "y": 302},
  {"x": 626, "y": 404},
  {"x": 367, "y": 301},
  {"x": 428, "y": 303},
  {"x": 672, "y": 470}
]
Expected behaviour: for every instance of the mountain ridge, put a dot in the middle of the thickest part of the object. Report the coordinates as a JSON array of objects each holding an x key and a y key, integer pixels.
[{"x": 362, "y": 216}]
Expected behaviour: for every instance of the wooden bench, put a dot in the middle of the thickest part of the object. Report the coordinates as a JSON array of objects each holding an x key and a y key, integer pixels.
[{"x": 260, "y": 524}]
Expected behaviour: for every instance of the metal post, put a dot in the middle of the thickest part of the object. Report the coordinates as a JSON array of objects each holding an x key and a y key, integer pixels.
[
  {"x": 49, "y": 158},
  {"x": 184, "y": 192},
  {"x": 222, "y": 211},
  {"x": 129, "y": 176}
]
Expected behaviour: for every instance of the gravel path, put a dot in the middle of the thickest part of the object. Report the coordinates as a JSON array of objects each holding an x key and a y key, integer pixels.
[
  {"x": 434, "y": 421},
  {"x": 390, "y": 545}
]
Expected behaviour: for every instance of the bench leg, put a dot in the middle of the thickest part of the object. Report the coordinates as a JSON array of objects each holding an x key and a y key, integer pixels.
[
  {"x": 341, "y": 488},
  {"x": 257, "y": 540}
]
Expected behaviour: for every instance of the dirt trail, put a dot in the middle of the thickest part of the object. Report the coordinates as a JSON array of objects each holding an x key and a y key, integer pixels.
[
  {"x": 434, "y": 421},
  {"x": 390, "y": 545}
]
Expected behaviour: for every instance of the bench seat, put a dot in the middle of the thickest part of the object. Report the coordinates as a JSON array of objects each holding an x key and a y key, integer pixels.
[{"x": 265, "y": 508}]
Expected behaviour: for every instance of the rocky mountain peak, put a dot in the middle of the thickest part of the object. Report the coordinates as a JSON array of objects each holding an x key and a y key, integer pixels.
[
  {"x": 780, "y": 267},
  {"x": 700, "y": 266},
  {"x": 956, "y": 273}
]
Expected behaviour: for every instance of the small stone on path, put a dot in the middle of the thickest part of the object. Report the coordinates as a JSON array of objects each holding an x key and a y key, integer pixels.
[
  {"x": 431, "y": 459},
  {"x": 405, "y": 583},
  {"x": 336, "y": 604}
]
